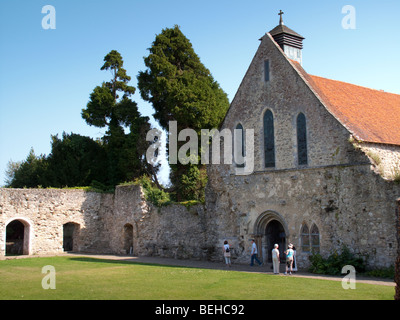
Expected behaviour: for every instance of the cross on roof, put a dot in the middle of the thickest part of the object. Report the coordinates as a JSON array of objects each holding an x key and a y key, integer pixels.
[{"x": 280, "y": 14}]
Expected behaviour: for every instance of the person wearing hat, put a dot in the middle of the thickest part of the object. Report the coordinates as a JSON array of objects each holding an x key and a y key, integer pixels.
[{"x": 289, "y": 259}]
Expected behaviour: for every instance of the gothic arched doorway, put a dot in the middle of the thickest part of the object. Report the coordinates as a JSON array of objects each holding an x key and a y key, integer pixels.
[
  {"x": 275, "y": 234},
  {"x": 270, "y": 228}
]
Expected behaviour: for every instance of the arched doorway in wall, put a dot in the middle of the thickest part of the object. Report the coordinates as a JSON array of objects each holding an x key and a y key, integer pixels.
[
  {"x": 270, "y": 228},
  {"x": 128, "y": 238},
  {"x": 17, "y": 238},
  {"x": 71, "y": 236},
  {"x": 275, "y": 234}
]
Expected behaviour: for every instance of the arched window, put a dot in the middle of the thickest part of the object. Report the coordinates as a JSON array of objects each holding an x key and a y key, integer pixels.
[
  {"x": 305, "y": 238},
  {"x": 314, "y": 239},
  {"x": 269, "y": 139},
  {"x": 239, "y": 146},
  {"x": 310, "y": 239},
  {"x": 302, "y": 139}
]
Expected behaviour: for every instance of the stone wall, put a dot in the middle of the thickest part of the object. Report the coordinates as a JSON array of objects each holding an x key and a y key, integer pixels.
[
  {"x": 117, "y": 223},
  {"x": 385, "y": 158},
  {"x": 44, "y": 212},
  {"x": 350, "y": 205},
  {"x": 180, "y": 233},
  {"x": 361, "y": 217},
  {"x": 173, "y": 231}
]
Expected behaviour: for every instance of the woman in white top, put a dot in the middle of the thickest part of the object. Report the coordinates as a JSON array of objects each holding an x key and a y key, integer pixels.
[
  {"x": 289, "y": 259},
  {"x": 227, "y": 253}
]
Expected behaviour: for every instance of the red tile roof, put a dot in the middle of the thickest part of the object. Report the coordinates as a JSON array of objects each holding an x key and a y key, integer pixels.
[{"x": 370, "y": 115}]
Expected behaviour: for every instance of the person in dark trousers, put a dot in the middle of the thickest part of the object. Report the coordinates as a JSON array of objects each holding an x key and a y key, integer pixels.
[{"x": 254, "y": 253}]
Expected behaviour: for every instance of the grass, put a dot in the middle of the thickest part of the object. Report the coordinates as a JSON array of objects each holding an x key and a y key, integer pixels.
[{"x": 96, "y": 279}]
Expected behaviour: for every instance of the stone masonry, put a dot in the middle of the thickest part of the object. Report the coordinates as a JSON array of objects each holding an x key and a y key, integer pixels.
[
  {"x": 339, "y": 191},
  {"x": 120, "y": 223},
  {"x": 344, "y": 196}
]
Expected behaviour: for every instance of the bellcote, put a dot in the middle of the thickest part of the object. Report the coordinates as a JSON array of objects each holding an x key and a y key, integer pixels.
[{"x": 290, "y": 41}]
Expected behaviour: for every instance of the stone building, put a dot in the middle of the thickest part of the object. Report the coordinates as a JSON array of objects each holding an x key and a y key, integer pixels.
[
  {"x": 325, "y": 157},
  {"x": 326, "y": 172}
]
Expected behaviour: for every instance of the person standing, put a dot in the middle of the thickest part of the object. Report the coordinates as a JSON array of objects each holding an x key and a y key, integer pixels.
[
  {"x": 294, "y": 266},
  {"x": 289, "y": 259},
  {"x": 254, "y": 253},
  {"x": 275, "y": 258},
  {"x": 227, "y": 253}
]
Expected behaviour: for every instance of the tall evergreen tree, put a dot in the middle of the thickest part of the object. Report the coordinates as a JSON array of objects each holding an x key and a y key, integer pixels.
[
  {"x": 30, "y": 173},
  {"x": 76, "y": 161},
  {"x": 106, "y": 108},
  {"x": 181, "y": 89}
]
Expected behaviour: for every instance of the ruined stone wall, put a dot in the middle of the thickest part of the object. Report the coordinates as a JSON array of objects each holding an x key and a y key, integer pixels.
[
  {"x": 44, "y": 212},
  {"x": 173, "y": 231},
  {"x": 106, "y": 222},
  {"x": 346, "y": 211}
]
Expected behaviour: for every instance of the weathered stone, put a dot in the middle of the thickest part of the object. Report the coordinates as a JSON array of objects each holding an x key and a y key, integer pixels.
[{"x": 342, "y": 196}]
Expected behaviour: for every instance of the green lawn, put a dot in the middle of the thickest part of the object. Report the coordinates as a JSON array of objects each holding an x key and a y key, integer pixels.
[{"x": 89, "y": 278}]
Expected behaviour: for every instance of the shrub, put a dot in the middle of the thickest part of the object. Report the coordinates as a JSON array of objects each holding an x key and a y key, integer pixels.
[
  {"x": 152, "y": 193},
  {"x": 335, "y": 262},
  {"x": 382, "y": 273}
]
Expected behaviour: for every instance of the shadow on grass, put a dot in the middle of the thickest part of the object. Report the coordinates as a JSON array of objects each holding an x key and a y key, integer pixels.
[{"x": 128, "y": 262}]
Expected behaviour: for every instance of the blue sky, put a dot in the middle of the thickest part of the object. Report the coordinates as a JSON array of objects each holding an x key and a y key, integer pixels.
[{"x": 46, "y": 76}]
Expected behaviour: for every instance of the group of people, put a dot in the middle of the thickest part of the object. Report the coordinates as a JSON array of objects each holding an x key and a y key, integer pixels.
[{"x": 290, "y": 257}]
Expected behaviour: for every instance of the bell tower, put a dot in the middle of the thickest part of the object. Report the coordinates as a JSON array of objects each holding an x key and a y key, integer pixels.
[{"x": 290, "y": 41}]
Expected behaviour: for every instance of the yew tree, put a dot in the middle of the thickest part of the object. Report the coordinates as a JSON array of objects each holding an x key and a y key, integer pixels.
[
  {"x": 181, "y": 89},
  {"x": 111, "y": 106}
]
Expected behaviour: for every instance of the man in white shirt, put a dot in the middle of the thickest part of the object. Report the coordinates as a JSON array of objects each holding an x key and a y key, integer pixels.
[
  {"x": 254, "y": 253},
  {"x": 275, "y": 259}
]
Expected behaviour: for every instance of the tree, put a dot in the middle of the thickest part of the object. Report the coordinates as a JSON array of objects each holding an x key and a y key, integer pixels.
[
  {"x": 31, "y": 173},
  {"x": 181, "y": 89},
  {"x": 76, "y": 161},
  {"x": 107, "y": 109},
  {"x": 79, "y": 161},
  {"x": 104, "y": 107},
  {"x": 12, "y": 168}
]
